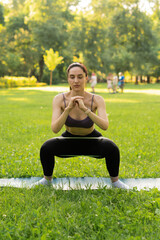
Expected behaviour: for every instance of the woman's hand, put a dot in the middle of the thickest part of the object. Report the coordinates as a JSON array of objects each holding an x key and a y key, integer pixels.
[
  {"x": 81, "y": 105},
  {"x": 77, "y": 100}
]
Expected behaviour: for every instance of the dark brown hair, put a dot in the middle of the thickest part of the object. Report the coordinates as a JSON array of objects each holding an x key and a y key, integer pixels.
[{"x": 77, "y": 64}]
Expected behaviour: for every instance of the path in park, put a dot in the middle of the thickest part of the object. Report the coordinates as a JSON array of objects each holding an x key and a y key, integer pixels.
[{"x": 99, "y": 90}]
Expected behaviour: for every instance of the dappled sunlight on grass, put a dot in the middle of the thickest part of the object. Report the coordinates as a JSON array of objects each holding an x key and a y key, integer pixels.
[
  {"x": 98, "y": 90},
  {"x": 5, "y": 92},
  {"x": 47, "y": 89},
  {"x": 19, "y": 99},
  {"x": 122, "y": 100},
  {"x": 146, "y": 91}
]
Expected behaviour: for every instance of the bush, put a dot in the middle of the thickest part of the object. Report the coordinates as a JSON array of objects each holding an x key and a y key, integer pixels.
[
  {"x": 41, "y": 84},
  {"x": 12, "y": 82}
]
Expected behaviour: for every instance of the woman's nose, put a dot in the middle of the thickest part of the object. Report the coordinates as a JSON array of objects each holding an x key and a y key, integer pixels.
[{"x": 76, "y": 79}]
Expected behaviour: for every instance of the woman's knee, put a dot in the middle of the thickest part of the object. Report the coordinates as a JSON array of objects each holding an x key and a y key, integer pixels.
[
  {"x": 109, "y": 146},
  {"x": 114, "y": 147},
  {"x": 48, "y": 146}
]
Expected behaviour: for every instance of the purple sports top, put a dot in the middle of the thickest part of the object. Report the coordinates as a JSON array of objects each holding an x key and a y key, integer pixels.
[{"x": 85, "y": 123}]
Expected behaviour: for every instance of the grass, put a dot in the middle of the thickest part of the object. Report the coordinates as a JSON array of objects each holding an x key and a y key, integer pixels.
[
  {"x": 100, "y": 214},
  {"x": 42, "y": 213}
]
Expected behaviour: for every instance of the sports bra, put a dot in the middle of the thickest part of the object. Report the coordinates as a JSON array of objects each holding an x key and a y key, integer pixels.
[{"x": 85, "y": 123}]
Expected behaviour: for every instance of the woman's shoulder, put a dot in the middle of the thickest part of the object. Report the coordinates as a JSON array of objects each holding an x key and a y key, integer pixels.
[
  {"x": 98, "y": 100},
  {"x": 59, "y": 97},
  {"x": 98, "y": 97},
  {"x": 94, "y": 96}
]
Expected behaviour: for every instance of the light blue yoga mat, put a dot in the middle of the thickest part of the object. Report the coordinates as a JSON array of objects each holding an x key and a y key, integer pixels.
[{"x": 82, "y": 183}]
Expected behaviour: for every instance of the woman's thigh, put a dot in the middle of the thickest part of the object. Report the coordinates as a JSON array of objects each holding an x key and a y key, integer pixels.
[{"x": 62, "y": 146}]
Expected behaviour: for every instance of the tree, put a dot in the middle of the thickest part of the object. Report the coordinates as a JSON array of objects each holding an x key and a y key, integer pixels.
[
  {"x": 2, "y": 50},
  {"x": 141, "y": 40},
  {"x": 1, "y": 14},
  {"x": 156, "y": 29},
  {"x": 79, "y": 59},
  {"x": 49, "y": 23},
  {"x": 127, "y": 42},
  {"x": 52, "y": 59},
  {"x": 112, "y": 36}
]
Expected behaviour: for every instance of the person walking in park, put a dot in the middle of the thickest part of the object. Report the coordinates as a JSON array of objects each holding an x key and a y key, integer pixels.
[
  {"x": 109, "y": 82},
  {"x": 115, "y": 81},
  {"x": 121, "y": 81},
  {"x": 93, "y": 81},
  {"x": 76, "y": 109}
]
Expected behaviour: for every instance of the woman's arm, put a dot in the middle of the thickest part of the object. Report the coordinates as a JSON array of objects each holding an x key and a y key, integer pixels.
[
  {"x": 59, "y": 117},
  {"x": 101, "y": 119}
]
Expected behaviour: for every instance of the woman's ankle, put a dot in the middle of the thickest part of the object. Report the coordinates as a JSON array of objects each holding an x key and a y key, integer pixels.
[
  {"x": 114, "y": 179},
  {"x": 49, "y": 178}
]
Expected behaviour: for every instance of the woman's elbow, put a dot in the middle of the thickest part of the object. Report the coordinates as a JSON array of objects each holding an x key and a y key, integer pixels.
[
  {"x": 54, "y": 129},
  {"x": 105, "y": 126}
]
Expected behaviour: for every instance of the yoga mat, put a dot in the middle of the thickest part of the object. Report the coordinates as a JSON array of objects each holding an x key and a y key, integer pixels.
[{"x": 70, "y": 183}]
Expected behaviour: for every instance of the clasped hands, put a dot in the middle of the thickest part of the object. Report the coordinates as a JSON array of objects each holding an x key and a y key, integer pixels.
[{"x": 77, "y": 101}]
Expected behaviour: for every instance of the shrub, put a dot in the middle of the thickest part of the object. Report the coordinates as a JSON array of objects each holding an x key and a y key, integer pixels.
[
  {"x": 41, "y": 84},
  {"x": 12, "y": 82}
]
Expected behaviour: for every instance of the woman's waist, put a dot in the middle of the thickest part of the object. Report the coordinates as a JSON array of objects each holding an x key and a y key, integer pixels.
[
  {"x": 79, "y": 131},
  {"x": 76, "y": 133}
]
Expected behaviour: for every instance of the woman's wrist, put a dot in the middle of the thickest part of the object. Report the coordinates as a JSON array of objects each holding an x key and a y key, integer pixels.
[
  {"x": 68, "y": 109},
  {"x": 87, "y": 111}
]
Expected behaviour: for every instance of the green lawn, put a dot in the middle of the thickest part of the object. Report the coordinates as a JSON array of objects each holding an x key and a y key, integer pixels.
[{"x": 42, "y": 213}]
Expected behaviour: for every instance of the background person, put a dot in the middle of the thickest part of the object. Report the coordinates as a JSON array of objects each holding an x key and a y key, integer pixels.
[
  {"x": 93, "y": 81},
  {"x": 121, "y": 81},
  {"x": 114, "y": 83},
  {"x": 109, "y": 82},
  {"x": 76, "y": 109}
]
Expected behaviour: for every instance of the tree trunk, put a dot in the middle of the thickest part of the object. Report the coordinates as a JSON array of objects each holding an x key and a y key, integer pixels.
[
  {"x": 136, "y": 82},
  {"x": 148, "y": 79},
  {"x": 41, "y": 66},
  {"x": 158, "y": 80},
  {"x": 141, "y": 79},
  {"x": 32, "y": 73},
  {"x": 50, "y": 78}
]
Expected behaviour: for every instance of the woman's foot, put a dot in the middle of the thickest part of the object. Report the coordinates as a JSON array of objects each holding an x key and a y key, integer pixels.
[
  {"x": 119, "y": 184},
  {"x": 44, "y": 182}
]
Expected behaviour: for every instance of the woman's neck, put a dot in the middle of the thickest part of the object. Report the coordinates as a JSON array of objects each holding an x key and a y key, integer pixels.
[{"x": 77, "y": 93}]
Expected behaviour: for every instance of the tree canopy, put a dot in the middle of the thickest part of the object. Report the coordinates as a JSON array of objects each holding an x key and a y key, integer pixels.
[{"x": 112, "y": 36}]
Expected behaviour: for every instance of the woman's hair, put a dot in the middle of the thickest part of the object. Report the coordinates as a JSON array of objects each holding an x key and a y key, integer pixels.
[{"x": 77, "y": 64}]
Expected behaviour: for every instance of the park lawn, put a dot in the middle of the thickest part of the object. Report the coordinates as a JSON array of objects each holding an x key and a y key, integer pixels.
[{"x": 42, "y": 213}]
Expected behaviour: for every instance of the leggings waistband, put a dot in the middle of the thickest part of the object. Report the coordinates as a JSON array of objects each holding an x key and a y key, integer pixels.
[{"x": 95, "y": 133}]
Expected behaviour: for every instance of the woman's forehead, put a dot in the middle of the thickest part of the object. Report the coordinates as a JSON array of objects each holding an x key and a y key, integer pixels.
[{"x": 76, "y": 70}]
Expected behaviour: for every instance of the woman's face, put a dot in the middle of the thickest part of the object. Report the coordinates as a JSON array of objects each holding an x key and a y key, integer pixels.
[{"x": 76, "y": 78}]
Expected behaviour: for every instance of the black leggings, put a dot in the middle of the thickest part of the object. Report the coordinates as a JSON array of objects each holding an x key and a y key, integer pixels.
[{"x": 71, "y": 145}]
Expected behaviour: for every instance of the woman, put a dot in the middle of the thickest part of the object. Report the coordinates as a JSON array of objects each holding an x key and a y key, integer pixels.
[
  {"x": 109, "y": 82},
  {"x": 76, "y": 110},
  {"x": 93, "y": 82}
]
